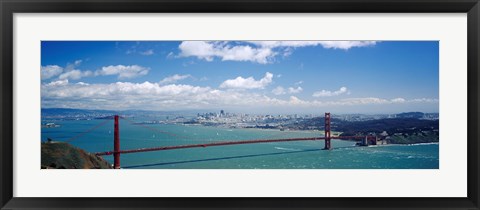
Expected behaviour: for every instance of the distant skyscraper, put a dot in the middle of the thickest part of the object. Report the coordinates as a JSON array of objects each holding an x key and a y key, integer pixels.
[{"x": 222, "y": 113}]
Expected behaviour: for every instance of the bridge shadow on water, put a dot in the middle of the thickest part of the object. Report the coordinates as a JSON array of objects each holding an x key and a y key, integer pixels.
[{"x": 223, "y": 158}]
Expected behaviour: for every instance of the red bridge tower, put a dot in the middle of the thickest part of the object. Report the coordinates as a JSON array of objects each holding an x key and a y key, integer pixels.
[
  {"x": 116, "y": 144},
  {"x": 327, "y": 131}
]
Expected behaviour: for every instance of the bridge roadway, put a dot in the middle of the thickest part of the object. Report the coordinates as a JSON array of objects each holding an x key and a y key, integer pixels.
[{"x": 224, "y": 143}]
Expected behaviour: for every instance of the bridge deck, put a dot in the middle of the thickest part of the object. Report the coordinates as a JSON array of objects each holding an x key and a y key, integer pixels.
[{"x": 223, "y": 143}]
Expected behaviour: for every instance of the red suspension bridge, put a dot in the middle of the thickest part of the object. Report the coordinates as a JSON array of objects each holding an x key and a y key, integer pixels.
[{"x": 366, "y": 140}]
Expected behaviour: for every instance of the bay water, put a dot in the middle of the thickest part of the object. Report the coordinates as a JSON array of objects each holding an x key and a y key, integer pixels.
[{"x": 278, "y": 155}]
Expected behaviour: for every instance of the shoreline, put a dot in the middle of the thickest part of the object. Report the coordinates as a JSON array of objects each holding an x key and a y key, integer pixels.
[
  {"x": 288, "y": 131},
  {"x": 384, "y": 142}
]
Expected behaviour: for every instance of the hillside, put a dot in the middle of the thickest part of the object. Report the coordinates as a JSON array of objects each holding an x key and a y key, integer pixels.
[
  {"x": 404, "y": 130},
  {"x": 60, "y": 155},
  {"x": 391, "y": 126}
]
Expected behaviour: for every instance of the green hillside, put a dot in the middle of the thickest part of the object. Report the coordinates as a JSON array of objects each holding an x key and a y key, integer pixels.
[{"x": 60, "y": 155}]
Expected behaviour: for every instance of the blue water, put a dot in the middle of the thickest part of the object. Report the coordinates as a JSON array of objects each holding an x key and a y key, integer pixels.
[{"x": 281, "y": 155}]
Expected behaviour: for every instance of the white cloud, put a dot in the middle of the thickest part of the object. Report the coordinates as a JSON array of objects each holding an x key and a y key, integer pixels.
[
  {"x": 147, "y": 52},
  {"x": 155, "y": 96},
  {"x": 72, "y": 66},
  {"x": 295, "y": 90},
  {"x": 82, "y": 83},
  {"x": 299, "y": 82},
  {"x": 398, "y": 100},
  {"x": 374, "y": 100},
  {"x": 50, "y": 71},
  {"x": 279, "y": 90},
  {"x": 423, "y": 100},
  {"x": 248, "y": 83},
  {"x": 57, "y": 83},
  {"x": 326, "y": 93},
  {"x": 174, "y": 78},
  {"x": 209, "y": 50},
  {"x": 296, "y": 101},
  {"x": 199, "y": 49},
  {"x": 360, "y": 101},
  {"x": 75, "y": 74},
  {"x": 136, "y": 95},
  {"x": 123, "y": 72},
  {"x": 345, "y": 45},
  {"x": 70, "y": 71},
  {"x": 256, "y": 51}
]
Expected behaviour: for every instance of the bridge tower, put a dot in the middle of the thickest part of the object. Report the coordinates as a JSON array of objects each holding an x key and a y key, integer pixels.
[
  {"x": 327, "y": 131},
  {"x": 116, "y": 144}
]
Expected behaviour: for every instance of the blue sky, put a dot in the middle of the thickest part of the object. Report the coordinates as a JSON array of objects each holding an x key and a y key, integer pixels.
[{"x": 242, "y": 76}]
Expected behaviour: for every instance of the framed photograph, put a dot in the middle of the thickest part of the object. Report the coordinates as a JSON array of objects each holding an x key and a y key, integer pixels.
[{"x": 239, "y": 105}]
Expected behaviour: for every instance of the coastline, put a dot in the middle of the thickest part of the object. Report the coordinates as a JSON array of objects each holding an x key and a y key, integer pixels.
[{"x": 334, "y": 133}]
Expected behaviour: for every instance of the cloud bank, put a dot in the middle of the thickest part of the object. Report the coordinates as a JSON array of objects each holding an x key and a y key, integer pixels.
[
  {"x": 209, "y": 50},
  {"x": 262, "y": 52},
  {"x": 344, "y": 45},
  {"x": 154, "y": 96},
  {"x": 70, "y": 72}
]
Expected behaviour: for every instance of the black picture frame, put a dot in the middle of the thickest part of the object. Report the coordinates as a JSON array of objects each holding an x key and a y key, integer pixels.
[{"x": 10, "y": 7}]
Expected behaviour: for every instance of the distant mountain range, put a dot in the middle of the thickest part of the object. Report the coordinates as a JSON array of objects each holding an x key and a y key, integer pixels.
[
  {"x": 65, "y": 111},
  {"x": 79, "y": 114},
  {"x": 68, "y": 111}
]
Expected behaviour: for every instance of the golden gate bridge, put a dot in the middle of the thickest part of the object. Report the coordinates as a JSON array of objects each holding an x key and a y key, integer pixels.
[{"x": 366, "y": 140}]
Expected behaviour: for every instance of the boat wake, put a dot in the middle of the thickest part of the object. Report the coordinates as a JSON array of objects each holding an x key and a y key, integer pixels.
[
  {"x": 287, "y": 149},
  {"x": 430, "y": 143}
]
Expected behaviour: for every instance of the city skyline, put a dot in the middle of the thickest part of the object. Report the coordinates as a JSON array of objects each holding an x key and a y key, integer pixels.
[{"x": 241, "y": 76}]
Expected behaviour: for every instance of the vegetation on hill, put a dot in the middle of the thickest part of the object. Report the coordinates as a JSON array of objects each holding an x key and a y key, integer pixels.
[
  {"x": 405, "y": 130},
  {"x": 60, "y": 155},
  {"x": 396, "y": 130},
  {"x": 391, "y": 126},
  {"x": 415, "y": 138}
]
